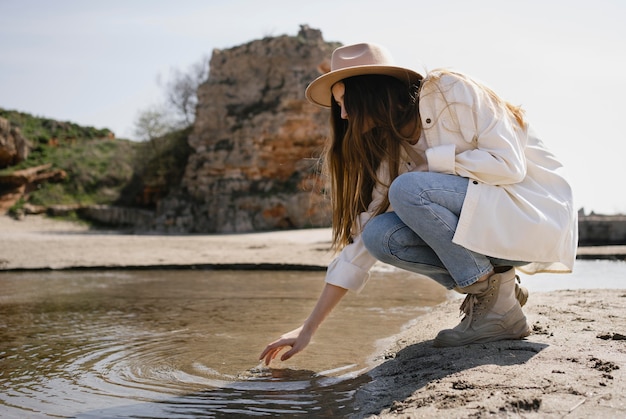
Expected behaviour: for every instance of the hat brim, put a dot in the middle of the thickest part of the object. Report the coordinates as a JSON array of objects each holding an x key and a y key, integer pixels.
[{"x": 319, "y": 90}]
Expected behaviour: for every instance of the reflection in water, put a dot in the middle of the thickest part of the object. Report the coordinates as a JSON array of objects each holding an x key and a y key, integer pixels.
[
  {"x": 278, "y": 393},
  {"x": 167, "y": 344},
  {"x": 185, "y": 343}
]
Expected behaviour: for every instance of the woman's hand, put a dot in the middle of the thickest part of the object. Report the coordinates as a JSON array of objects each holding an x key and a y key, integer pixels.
[
  {"x": 296, "y": 339},
  {"x": 299, "y": 338}
]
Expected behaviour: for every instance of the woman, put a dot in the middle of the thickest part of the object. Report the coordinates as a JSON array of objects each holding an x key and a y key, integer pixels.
[{"x": 436, "y": 175}]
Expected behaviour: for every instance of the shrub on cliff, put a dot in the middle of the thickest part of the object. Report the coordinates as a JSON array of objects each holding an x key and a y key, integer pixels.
[{"x": 158, "y": 167}]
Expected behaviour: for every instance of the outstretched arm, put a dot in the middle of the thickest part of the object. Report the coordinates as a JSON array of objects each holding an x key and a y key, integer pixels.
[{"x": 299, "y": 338}]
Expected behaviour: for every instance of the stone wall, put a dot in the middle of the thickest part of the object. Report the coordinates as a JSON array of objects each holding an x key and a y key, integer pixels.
[
  {"x": 601, "y": 230},
  {"x": 138, "y": 219},
  {"x": 256, "y": 142}
]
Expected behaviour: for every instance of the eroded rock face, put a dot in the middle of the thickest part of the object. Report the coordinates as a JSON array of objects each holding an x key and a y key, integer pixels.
[
  {"x": 14, "y": 147},
  {"x": 257, "y": 141}
]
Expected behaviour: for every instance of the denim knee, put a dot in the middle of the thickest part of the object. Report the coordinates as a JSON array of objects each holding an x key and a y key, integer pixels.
[
  {"x": 372, "y": 238},
  {"x": 397, "y": 190}
]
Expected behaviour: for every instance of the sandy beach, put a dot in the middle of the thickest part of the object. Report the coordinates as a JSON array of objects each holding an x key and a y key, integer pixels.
[{"x": 573, "y": 364}]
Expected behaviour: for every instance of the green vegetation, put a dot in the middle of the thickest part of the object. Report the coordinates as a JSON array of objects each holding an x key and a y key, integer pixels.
[
  {"x": 103, "y": 170},
  {"x": 44, "y": 130},
  {"x": 96, "y": 172},
  {"x": 100, "y": 169}
]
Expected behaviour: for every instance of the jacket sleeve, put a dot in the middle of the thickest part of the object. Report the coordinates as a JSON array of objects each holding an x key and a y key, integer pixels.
[
  {"x": 493, "y": 148},
  {"x": 350, "y": 269}
]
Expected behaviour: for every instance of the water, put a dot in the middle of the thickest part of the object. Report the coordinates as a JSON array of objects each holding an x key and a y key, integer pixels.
[
  {"x": 186, "y": 343},
  {"x": 588, "y": 274},
  {"x": 183, "y": 344}
]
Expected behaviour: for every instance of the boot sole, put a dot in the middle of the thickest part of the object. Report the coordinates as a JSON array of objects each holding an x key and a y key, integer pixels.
[{"x": 519, "y": 331}]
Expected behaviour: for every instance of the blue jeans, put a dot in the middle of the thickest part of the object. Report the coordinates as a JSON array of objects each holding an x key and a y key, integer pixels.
[{"x": 417, "y": 236}]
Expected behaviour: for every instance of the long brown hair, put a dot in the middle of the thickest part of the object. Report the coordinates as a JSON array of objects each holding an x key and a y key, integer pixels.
[
  {"x": 379, "y": 108},
  {"x": 356, "y": 150}
]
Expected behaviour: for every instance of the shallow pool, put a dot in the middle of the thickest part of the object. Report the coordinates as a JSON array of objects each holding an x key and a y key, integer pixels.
[{"x": 185, "y": 344}]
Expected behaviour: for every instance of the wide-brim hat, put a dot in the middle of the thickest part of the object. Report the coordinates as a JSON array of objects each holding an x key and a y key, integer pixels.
[{"x": 356, "y": 60}]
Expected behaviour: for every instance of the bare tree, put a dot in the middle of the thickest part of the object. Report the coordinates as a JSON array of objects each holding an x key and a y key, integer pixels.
[
  {"x": 179, "y": 108},
  {"x": 152, "y": 123},
  {"x": 181, "y": 90},
  {"x": 153, "y": 127}
]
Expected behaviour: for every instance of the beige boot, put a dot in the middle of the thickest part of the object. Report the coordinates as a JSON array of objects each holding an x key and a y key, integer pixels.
[
  {"x": 521, "y": 293},
  {"x": 492, "y": 312}
]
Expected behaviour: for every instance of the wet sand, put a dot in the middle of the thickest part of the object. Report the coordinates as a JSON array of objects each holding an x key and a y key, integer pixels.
[
  {"x": 572, "y": 365},
  {"x": 42, "y": 243}
]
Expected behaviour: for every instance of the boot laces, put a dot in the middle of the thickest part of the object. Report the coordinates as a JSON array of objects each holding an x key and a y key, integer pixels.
[
  {"x": 474, "y": 305},
  {"x": 467, "y": 310}
]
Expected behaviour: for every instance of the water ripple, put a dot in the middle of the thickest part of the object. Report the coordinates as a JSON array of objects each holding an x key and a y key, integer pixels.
[{"x": 172, "y": 345}]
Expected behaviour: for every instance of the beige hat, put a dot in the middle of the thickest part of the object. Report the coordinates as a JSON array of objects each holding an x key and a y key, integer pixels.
[{"x": 356, "y": 60}]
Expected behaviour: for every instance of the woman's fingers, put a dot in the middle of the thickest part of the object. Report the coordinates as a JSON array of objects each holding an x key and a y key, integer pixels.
[
  {"x": 265, "y": 352},
  {"x": 290, "y": 339},
  {"x": 272, "y": 355},
  {"x": 273, "y": 349},
  {"x": 296, "y": 347},
  {"x": 288, "y": 354},
  {"x": 269, "y": 357}
]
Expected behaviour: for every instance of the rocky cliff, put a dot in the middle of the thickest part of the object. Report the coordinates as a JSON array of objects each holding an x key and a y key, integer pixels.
[
  {"x": 256, "y": 142},
  {"x": 14, "y": 148}
]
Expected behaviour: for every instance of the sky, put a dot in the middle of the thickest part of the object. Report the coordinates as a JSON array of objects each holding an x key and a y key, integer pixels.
[{"x": 99, "y": 63}]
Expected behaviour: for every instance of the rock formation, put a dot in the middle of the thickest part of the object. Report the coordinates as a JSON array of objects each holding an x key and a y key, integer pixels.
[
  {"x": 256, "y": 142},
  {"x": 15, "y": 185},
  {"x": 13, "y": 146}
]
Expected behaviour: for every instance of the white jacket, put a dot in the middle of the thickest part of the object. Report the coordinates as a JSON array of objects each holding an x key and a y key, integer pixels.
[{"x": 517, "y": 207}]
